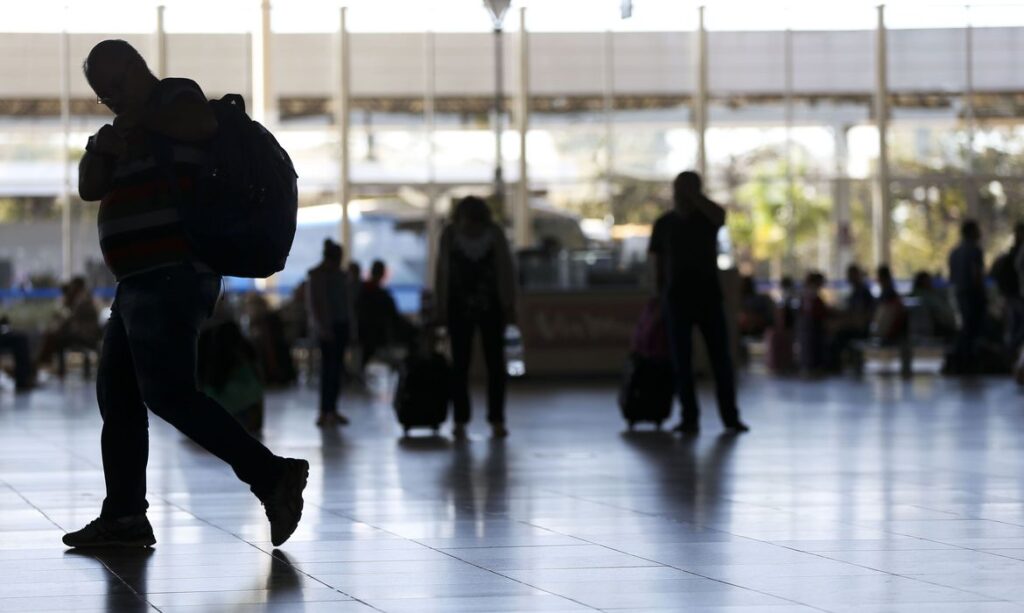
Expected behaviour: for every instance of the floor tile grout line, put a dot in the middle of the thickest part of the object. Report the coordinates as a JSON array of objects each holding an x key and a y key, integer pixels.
[
  {"x": 821, "y": 555},
  {"x": 102, "y": 563},
  {"x": 702, "y": 576},
  {"x": 892, "y": 574},
  {"x": 445, "y": 553},
  {"x": 269, "y": 553}
]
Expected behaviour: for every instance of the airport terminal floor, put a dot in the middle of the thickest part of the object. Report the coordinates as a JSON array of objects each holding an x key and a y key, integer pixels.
[{"x": 848, "y": 495}]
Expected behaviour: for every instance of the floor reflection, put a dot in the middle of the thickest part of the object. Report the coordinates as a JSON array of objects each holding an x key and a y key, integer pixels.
[{"x": 126, "y": 581}]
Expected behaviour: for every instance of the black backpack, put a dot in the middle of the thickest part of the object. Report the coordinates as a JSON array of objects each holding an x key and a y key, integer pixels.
[{"x": 241, "y": 222}]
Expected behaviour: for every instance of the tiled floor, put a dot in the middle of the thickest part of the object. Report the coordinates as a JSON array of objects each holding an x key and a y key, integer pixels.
[{"x": 875, "y": 495}]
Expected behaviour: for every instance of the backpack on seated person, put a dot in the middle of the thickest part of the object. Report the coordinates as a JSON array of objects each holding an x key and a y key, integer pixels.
[{"x": 242, "y": 221}]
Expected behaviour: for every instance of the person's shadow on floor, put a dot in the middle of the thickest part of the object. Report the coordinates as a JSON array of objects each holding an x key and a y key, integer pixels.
[{"x": 126, "y": 575}]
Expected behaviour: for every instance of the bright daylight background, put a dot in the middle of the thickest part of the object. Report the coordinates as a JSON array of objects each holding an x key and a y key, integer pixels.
[{"x": 791, "y": 141}]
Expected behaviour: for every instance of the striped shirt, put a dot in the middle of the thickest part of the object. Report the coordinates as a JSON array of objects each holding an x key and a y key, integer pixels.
[{"x": 139, "y": 225}]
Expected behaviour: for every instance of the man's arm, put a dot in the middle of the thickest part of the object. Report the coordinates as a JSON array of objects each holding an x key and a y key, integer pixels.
[
  {"x": 96, "y": 168},
  {"x": 655, "y": 263},
  {"x": 656, "y": 268},
  {"x": 710, "y": 209},
  {"x": 94, "y": 174}
]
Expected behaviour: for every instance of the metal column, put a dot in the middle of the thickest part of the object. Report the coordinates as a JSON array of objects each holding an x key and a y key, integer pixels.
[
  {"x": 341, "y": 122},
  {"x": 842, "y": 255},
  {"x": 429, "y": 115},
  {"x": 700, "y": 97},
  {"x": 67, "y": 247},
  {"x": 264, "y": 106},
  {"x": 787, "y": 77},
  {"x": 523, "y": 221},
  {"x": 973, "y": 206},
  {"x": 499, "y": 99},
  {"x": 161, "y": 43},
  {"x": 881, "y": 217},
  {"x": 609, "y": 117}
]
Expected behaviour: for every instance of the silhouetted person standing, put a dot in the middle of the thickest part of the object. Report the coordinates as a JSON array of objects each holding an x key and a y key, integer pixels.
[
  {"x": 331, "y": 321},
  {"x": 476, "y": 291},
  {"x": 967, "y": 274},
  {"x": 1007, "y": 280},
  {"x": 163, "y": 296},
  {"x": 684, "y": 247}
]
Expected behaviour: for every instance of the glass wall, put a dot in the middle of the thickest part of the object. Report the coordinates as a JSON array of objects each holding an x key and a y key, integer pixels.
[{"x": 791, "y": 143}]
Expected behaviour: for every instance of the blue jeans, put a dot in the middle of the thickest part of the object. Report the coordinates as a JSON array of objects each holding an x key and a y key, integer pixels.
[
  {"x": 149, "y": 360},
  {"x": 711, "y": 321}
]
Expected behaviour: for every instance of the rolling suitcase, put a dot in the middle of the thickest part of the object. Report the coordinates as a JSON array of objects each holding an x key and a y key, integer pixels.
[
  {"x": 422, "y": 396},
  {"x": 647, "y": 391},
  {"x": 649, "y": 385}
]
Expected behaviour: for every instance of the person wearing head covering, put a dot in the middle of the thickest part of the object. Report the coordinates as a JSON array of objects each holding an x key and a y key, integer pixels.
[{"x": 476, "y": 291}]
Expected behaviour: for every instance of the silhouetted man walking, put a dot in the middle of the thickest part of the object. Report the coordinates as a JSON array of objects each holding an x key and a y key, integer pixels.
[
  {"x": 684, "y": 247},
  {"x": 163, "y": 295}
]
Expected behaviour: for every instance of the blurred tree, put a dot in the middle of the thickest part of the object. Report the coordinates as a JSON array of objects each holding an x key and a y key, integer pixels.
[{"x": 772, "y": 217}]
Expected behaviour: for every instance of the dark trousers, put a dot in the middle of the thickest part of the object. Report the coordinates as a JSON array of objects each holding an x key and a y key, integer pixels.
[
  {"x": 149, "y": 360},
  {"x": 1014, "y": 333},
  {"x": 492, "y": 335},
  {"x": 17, "y": 344},
  {"x": 711, "y": 322},
  {"x": 973, "y": 309},
  {"x": 332, "y": 362}
]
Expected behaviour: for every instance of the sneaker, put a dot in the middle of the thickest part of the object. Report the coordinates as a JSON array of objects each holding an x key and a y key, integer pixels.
[
  {"x": 498, "y": 430},
  {"x": 284, "y": 505},
  {"x": 737, "y": 427},
  {"x": 131, "y": 531},
  {"x": 331, "y": 419},
  {"x": 687, "y": 429}
]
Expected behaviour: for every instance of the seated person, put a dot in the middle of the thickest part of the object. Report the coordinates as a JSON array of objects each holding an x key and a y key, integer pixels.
[
  {"x": 77, "y": 323},
  {"x": 811, "y": 324},
  {"x": 890, "y": 321},
  {"x": 17, "y": 345},
  {"x": 380, "y": 324},
  {"x": 853, "y": 322},
  {"x": 780, "y": 335},
  {"x": 935, "y": 306},
  {"x": 228, "y": 372},
  {"x": 267, "y": 331},
  {"x": 756, "y": 309}
]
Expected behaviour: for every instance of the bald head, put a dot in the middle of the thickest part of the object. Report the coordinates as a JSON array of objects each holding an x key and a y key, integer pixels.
[{"x": 118, "y": 74}]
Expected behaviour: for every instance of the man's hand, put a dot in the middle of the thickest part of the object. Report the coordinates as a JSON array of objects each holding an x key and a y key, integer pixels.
[
  {"x": 127, "y": 122},
  {"x": 97, "y": 165},
  {"x": 108, "y": 141}
]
